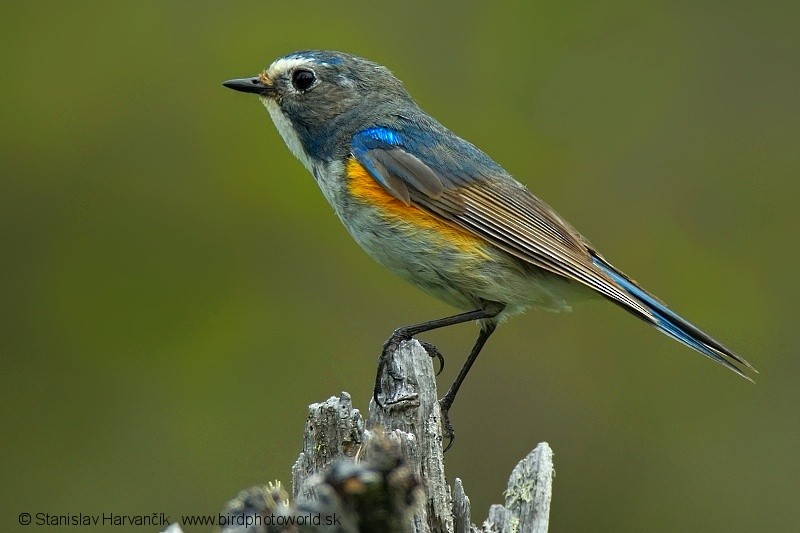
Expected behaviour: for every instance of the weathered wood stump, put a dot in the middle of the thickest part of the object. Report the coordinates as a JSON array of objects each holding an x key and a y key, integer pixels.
[{"x": 386, "y": 473}]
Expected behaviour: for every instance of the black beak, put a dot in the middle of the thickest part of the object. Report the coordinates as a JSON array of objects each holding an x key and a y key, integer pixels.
[{"x": 249, "y": 85}]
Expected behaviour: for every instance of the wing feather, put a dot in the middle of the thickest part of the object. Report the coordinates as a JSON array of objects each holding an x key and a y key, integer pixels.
[
  {"x": 501, "y": 212},
  {"x": 472, "y": 192}
]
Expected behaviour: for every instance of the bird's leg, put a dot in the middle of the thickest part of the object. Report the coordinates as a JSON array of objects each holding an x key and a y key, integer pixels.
[
  {"x": 490, "y": 310},
  {"x": 407, "y": 332},
  {"x": 447, "y": 400}
]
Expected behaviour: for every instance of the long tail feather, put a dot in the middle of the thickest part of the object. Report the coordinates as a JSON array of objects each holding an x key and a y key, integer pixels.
[{"x": 669, "y": 323}]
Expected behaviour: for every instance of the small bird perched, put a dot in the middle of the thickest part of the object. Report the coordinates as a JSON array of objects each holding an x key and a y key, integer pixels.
[{"x": 434, "y": 209}]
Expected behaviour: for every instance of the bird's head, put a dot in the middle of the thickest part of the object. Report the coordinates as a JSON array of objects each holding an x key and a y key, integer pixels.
[{"x": 319, "y": 99}]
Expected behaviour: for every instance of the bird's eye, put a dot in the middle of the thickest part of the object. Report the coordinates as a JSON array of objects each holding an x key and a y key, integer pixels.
[{"x": 303, "y": 79}]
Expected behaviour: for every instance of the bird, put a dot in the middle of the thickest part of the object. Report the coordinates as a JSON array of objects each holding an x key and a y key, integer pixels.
[{"x": 434, "y": 209}]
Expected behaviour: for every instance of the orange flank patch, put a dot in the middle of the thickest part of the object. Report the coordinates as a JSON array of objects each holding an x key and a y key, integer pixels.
[{"x": 365, "y": 188}]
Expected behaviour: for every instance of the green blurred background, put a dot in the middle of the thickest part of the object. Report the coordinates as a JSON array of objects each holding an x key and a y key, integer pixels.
[{"x": 176, "y": 291}]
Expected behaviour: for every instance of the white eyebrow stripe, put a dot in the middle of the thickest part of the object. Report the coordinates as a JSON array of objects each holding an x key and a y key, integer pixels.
[{"x": 285, "y": 64}]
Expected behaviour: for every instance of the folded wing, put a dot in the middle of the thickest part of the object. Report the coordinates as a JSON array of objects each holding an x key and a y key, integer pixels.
[{"x": 452, "y": 179}]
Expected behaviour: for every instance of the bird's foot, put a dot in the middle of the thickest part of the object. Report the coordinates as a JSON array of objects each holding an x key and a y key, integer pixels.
[{"x": 389, "y": 348}]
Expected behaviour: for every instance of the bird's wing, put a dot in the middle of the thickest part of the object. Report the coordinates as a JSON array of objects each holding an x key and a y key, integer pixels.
[
  {"x": 463, "y": 186},
  {"x": 450, "y": 178}
]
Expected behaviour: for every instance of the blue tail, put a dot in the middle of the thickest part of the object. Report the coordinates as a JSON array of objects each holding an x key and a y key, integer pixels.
[{"x": 673, "y": 325}]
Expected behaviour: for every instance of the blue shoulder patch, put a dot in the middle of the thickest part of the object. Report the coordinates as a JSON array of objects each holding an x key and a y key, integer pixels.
[
  {"x": 386, "y": 135},
  {"x": 375, "y": 137},
  {"x": 369, "y": 139}
]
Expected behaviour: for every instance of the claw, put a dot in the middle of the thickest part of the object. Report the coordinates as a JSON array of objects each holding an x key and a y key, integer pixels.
[
  {"x": 375, "y": 393},
  {"x": 447, "y": 428},
  {"x": 433, "y": 351}
]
